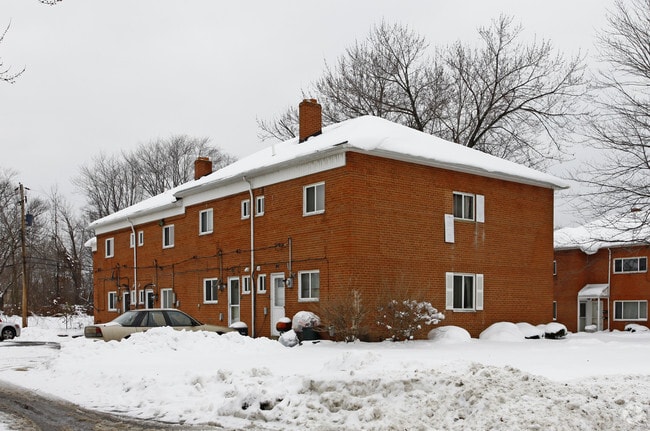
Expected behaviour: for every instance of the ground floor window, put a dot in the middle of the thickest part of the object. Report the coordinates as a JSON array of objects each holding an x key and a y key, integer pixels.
[
  {"x": 630, "y": 310},
  {"x": 464, "y": 291},
  {"x": 166, "y": 298},
  {"x": 112, "y": 301},
  {"x": 309, "y": 288}
]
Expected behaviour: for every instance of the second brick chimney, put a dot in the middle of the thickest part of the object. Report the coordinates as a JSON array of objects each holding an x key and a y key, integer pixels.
[
  {"x": 310, "y": 115},
  {"x": 202, "y": 167}
]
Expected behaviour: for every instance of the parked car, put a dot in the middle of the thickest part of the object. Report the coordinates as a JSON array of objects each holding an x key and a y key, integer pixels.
[
  {"x": 134, "y": 321},
  {"x": 9, "y": 331}
]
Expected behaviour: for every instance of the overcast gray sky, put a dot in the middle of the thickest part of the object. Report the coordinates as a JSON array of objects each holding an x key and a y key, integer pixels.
[{"x": 108, "y": 75}]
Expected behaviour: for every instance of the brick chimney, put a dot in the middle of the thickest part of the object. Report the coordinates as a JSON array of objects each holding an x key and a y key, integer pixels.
[
  {"x": 310, "y": 116},
  {"x": 202, "y": 167}
]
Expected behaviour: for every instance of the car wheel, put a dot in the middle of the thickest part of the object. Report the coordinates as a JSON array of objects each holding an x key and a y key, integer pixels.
[{"x": 7, "y": 334}]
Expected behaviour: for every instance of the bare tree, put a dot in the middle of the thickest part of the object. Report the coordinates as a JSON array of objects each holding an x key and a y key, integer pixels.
[
  {"x": 6, "y": 74},
  {"x": 506, "y": 98},
  {"x": 166, "y": 163},
  {"x": 111, "y": 183},
  {"x": 510, "y": 99},
  {"x": 620, "y": 182}
]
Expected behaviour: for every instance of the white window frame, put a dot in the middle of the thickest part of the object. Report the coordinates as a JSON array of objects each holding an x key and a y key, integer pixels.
[
  {"x": 259, "y": 206},
  {"x": 639, "y": 303},
  {"x": 465, "y": 206},
  {"x": 311, "y": 296},
  {"x": 213, "y": 283},
  {"x": 318, "y": 199},
  {"x": 477, "y": 291},
  {"x": 261, "y": 283},
  {"x": 621, "y": 262},
  {"x": 140, "y": 238},
  {"x": 245, "y": 209},
  {"x": 112, "y": 301},
  {"x": 167, "y": 298},
  {"x": 168, "y": 240},
  {"x": 554, "y": 310},
  {"x": 109, "y": 247},
  {"x": 132, "y": 240},
  {"x": 206, "y": 221},
  {"x": 246, "y": 285}
]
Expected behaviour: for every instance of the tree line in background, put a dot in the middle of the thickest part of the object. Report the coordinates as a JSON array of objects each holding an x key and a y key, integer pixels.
[{"x": 511, "y": 98}]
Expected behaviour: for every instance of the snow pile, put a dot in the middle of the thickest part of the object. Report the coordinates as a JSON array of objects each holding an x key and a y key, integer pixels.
[{"x": 239, "y": 382}]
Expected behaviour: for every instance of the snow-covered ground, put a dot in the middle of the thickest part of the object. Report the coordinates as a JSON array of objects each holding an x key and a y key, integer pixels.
[{"x": 598, "y": 381}]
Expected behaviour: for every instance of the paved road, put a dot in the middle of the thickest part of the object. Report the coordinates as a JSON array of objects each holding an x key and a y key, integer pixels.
[{"x": 27, "y": 411}]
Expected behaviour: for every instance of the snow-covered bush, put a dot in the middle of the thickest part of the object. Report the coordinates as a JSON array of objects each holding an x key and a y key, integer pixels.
[
  {"x": 305, "y": 319},
  {"x": 635, "y": 327},
  {"x": 529, "y": 331},
  {"x": 401, "y": 318},
  {"x": 555, "y": 331},
  {"x": 502, "y": 331},
  {"x": 289, "y": 339},
  {"x": 449, "y": 334},
  {"x": 345, "y": 316}
]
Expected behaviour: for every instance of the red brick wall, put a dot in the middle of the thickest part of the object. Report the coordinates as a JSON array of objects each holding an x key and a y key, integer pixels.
[{"x": 382, "y": 231}]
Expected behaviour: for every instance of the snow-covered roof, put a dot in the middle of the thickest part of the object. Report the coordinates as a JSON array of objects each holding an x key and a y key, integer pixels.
[
  {"x": 594, "y": 291},
  {"x": 367, "y": 134},
  {"x": 629, "y": 229}
]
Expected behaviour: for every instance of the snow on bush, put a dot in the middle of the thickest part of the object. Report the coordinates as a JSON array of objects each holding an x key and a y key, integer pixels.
[
  {"x": 502, "y": 331},
  {"x": 449, "y": 334},
  {"x": 402, "y": 318},
  {"x": 555, "y": 331},
  {"x": 289, "y": 339},
  {"x": 305, "y": 319},
  {"x": 529, "y": 331},
  {"x": 635, "y": 327}
]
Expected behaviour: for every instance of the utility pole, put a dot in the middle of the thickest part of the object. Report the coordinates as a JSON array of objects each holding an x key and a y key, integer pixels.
[{"x": 24, "y": 252}]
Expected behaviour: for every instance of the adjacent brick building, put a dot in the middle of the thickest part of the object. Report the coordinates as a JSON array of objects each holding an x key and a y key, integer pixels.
[
  {"x": 364, "y": 204},
  {"x": 601, "y": 275}
]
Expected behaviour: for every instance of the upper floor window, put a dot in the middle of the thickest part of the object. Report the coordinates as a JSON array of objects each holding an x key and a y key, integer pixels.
[
  {"x": 210, "y": 289},
  {"x": 246, "y": 285},
  {"x": 132, "y": 240},
  {"x": 205, "y": 221},
  {"x": 309, "y": 289},
  {"x": 168, "y": 236},
  {"x": 314, "y": 199},
  {"x": 109, "y": 245},
  {"x": 630, "y": 310},
  {"x": 140, "y": 238},
  {"x": 259, "y": 205},
  {"x": 464, "y": 291},
  {"x": 463, "y": 206},
  {"x": 630, "y": 264},
  {"x": 245, "y": 209}
]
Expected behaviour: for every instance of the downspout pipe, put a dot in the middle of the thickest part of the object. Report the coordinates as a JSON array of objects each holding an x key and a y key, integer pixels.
[
  {"x": 135, "y": 263},
  {"x": 609, "y": 289},
  {"x": 252, "y": 271}
]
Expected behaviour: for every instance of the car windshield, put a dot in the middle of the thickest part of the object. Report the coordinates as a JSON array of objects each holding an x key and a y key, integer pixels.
[{"x": 128, "y": 318}]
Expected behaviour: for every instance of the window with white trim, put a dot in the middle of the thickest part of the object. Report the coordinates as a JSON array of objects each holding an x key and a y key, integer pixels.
[
  {"x": 210, "y": 289},
  {"x": 166, "y": 298},
  {"x": 463, "y": 206},
  {"x": 245, "y": 209},
  {"x": 140, "y": 238},
  {"x": 630, "y": 264},
  {"x": 132, "y": 240},
  {"x": 259, "y": 206},
  {"x": 554, "y": 310},
  {"x": 309, "y": 286},
  {"x": 206, "y": 221},
  {"x": 112, "y": 301},
  {"x": 109, "y": 247},
  {"x": 246, "y": 285},
  {"x": 630, "y": 310},
  {"x": 464, "y": 292},
  {"x": 261, "y": 283},
  {"x": 314, "y": 199},
  {"x": 168, "y": 236}
]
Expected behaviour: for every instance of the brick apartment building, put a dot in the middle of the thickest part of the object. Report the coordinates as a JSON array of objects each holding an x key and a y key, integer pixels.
[
  {"x": 364, "y": 204},
  {"x": 601, "y": 275}
]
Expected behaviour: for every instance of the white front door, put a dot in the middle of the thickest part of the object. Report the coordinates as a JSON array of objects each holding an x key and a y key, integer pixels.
[
  {"x": 233, "y": 300},
  {"x": 277, "y": 300}
]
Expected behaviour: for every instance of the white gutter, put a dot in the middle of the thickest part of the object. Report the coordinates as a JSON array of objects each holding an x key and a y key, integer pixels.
[{"x": 252, "y": 271}]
